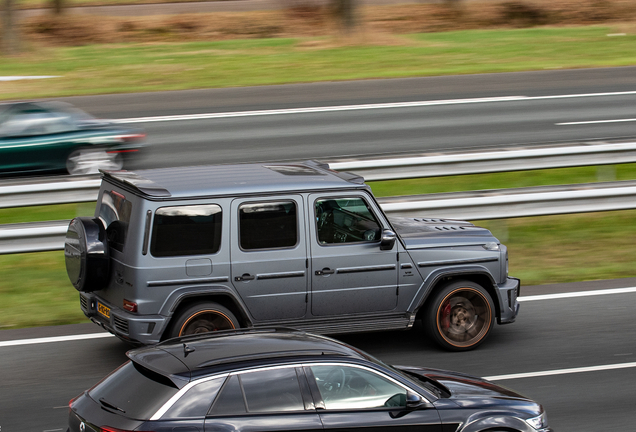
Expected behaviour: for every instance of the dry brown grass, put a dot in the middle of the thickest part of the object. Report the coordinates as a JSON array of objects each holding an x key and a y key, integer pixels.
[{"x": 309, "y": 19}]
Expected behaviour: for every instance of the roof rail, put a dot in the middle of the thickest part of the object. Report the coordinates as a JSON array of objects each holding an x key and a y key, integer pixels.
[{"x": 230, "y": 332}]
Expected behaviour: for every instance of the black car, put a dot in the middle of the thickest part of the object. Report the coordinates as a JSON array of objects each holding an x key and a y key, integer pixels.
[
  {"x": 284, "y": 380},
  {"x": 37, "y": 137}
]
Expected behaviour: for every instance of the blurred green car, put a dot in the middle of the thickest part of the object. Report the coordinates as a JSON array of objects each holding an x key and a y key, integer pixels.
[{"x": 38, "y": 137}]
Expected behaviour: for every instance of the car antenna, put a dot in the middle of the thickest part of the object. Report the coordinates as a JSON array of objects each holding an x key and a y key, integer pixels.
[{"x": 187, "y": 350}]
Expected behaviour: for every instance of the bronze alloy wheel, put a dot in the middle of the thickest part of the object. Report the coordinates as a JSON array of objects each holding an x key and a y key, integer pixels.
[
  {"x": 206, "y": 321},
  {"x": 201, "y": 318},
  {"x": 461, "y": 316}
]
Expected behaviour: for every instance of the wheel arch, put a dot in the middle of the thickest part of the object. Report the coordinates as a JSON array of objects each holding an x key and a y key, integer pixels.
[
  {"x": 221, "y": 295},
  {"x": 499, "y": 422},
  {"x": 437, "y": 280}
]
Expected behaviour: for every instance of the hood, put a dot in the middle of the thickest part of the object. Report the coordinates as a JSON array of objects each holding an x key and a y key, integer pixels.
[
  {"x": 424, "y": 232},
  {"x": 469, "y": 391}
]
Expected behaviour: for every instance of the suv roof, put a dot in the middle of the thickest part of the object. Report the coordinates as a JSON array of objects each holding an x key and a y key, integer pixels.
[
  {"x": 222, "y": 350},
  {"x": 201, "y": 181}
]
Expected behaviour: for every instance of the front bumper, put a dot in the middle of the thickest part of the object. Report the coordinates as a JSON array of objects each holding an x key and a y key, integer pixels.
[
  {"x": 508, "y": 292},
  {"x": 133, "y": 328}
]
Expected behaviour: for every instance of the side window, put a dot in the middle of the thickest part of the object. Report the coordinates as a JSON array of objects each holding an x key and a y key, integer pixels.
[
  {"x": 186, "y": 230},
  {"x": 344, "y": 387},
  {"x": 345, "y": 220},
  {"x": 197, "y": 401},
  {"x": 230, "y": 401},
  {"x": 265, "y": 391},
  {"x": 272, "y": 391},
  {"x": 268, "y": 225}
]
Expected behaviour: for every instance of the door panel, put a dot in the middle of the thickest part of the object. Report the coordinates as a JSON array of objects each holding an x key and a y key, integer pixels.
[
  {"x": 269, "y": 256},
  {"x": 350, "y": 274}
]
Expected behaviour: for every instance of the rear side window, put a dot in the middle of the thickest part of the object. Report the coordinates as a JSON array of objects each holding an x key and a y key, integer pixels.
[
  {"x": 114, "y": 212},
  {"x": 135, "y": 391},
  {"x": 196, "y": 402},
  {"x": 272, "y": 391},
  {"x": 186, "y": 230},
  {"x": 270, "y": 225},
  {"x": 264, "y": 391}
]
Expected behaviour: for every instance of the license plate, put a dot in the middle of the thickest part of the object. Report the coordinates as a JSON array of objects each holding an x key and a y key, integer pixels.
[{"x": 103, "y": 310}]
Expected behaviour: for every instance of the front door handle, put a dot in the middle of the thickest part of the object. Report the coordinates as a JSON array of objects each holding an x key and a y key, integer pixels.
[
  {"x": 244, "y": 277},
  {"x": 325, "y": 271}
]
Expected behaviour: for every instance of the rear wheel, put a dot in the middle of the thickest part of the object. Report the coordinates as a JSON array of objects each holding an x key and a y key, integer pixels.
[
  {"x": 202, "y": 318},
  {"x": 460, "y": 316},
  {"x": 85, "y": 161}
]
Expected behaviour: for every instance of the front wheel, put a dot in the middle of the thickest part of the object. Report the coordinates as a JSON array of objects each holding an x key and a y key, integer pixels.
[
  {"x": 202, "y": 318},
  {"x": 459, "y": 316}
]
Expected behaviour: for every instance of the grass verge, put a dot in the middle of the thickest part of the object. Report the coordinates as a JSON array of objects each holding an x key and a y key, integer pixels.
[{"x": 121, "y": 68}]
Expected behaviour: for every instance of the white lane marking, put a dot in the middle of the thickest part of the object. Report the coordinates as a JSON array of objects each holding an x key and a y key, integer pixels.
[
  {"x": 578, "y": 294},
  {"x": 15, "y": 78},
  {"x": 561, "y": 371},
  {"x": 596, "y": 122},
  {"x": 54, "y": 339},
  {"x": 313, "y": 110},
  {"x": 359, "y": 107},
  {"x": 521, "y": 299}
]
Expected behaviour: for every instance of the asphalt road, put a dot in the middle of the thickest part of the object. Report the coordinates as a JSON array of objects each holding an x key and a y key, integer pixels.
[
  {"x": 38, "y": 380},
  {"x": 338, "y": 119}
]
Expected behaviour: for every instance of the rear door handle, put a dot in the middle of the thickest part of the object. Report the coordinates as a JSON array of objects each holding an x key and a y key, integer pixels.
[
  {"x": 244, "y": 277},
  {"x": 325, "y": 271}
]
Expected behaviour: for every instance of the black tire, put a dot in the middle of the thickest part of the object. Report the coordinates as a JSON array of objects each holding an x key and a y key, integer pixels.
[
  {"x": 459, "y": 316},
  {"x": 90, "y": 161},
  {"x": 202, "y": 318},
  {"x": 86, "y": 254}
]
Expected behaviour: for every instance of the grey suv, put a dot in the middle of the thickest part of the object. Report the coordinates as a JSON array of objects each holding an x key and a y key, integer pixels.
[{"x": 178, "y": 251}]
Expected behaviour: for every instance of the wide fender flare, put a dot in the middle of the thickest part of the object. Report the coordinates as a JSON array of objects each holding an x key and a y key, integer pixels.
[
  {"x": 435, "y": 276},
  {"x": 178, "y": 295},
  {"x": 496, "y": 421}
]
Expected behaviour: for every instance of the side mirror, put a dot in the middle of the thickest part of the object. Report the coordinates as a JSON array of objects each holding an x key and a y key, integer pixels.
[
  {"x": 414, "y": 401},
  {"x": 388, "y": 240}
]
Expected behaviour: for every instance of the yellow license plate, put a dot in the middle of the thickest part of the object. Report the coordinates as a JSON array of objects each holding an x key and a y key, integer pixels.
[{"x": 103, "y": 310}]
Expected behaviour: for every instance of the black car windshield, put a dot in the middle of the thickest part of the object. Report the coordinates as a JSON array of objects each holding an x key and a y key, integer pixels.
[{"x": 133, "y": 391}]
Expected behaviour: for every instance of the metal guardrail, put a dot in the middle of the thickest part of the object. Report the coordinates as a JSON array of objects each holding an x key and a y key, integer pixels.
[
  {"x": 493, "y": 204},
  {"x": 61, "y": 190},
  {"x": 529, "y": 158},
  {"x": 56, "y": 190}
]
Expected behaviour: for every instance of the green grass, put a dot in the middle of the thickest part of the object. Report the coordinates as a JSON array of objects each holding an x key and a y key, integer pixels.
[
  {"x": 35, "y": 290},
  {"x": 120, "y": 68},
  {"x": 505, "y": 180}
]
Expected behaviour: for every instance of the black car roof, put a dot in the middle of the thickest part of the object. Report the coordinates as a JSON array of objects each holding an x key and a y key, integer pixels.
[
  {"x": 181, "y": 358},
  {"x": 217, "y": 180}
]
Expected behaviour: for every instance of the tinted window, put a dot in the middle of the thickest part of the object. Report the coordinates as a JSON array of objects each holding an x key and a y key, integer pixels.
[
  {"x": 134, "y": 389},
  {"x": 186, "y": 230},
  {"x": 272, "y": 391},
  {"x": 268, "y": 225},
  {"x": 345, "y": 220},
  {"x": 230, "y": 401},
  {"x": 197, "y": 401},
  {"x": 343, "y": 387},
  {"x": 114, "y": 212}
]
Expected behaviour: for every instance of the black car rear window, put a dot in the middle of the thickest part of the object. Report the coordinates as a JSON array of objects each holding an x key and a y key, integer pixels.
[{"x": 133, "y": 391}]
